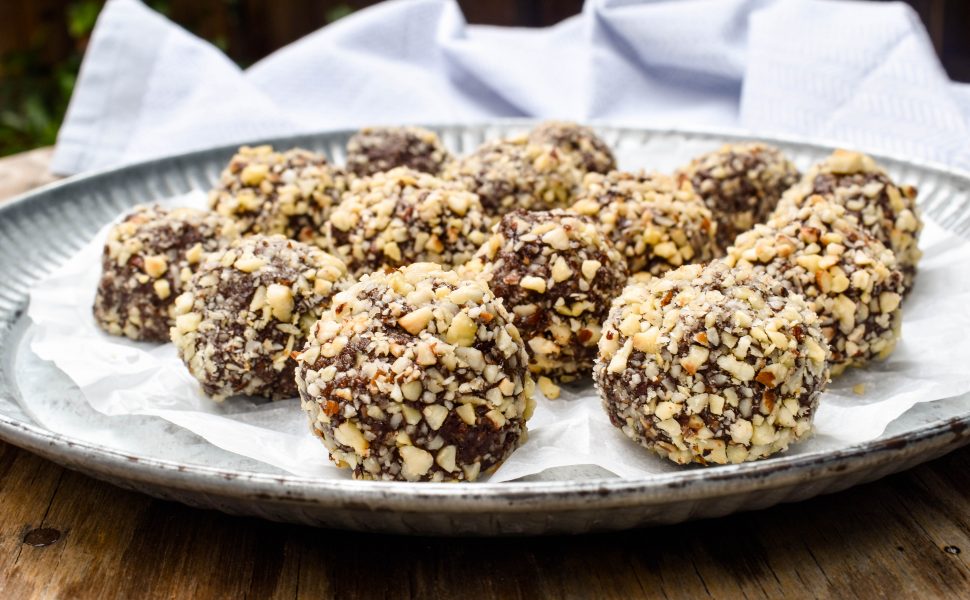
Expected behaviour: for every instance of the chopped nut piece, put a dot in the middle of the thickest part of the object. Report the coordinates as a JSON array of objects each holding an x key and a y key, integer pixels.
[
  {"x": 496, "y": 417},
  {"x": 557, "y": 239},
  {"x": 162, "y": 289},
  {"x": 155, "y": 266},
  {"x": 425, "y": 355},
  {"x": 188, "y": 322},
  {"x": 435, "y": 415},
  {"x": 590, "y": 267},
  {"x": 462, "y": 330},
  {"x": 740, "y": 370},
  {"x": 183, "y": 303},
  {"x": 889, "y": 301},
  {"x": 695, "y": 359},
  {"x": 542, "y": 346},
  {"x": 536, "y": 284},
  {"x": 254, "y": 174},
  {"x": 249, "y": 263},
  {"x": 411, "y": 414},
  {"x": 415, "y": 321},
  {"x": 549, "y": 389},
  {"x": 349, "y": 435},
  {"x": 647, "y": 341},
  {"x": 195, "y": 253},
  {"x": 412, "y": 390},
  {"x": 280, "y": 299},
  {"x": 416, "y": 462},
  {"x": 560, "y": 270},
  {"x": 467, "y": 413}
]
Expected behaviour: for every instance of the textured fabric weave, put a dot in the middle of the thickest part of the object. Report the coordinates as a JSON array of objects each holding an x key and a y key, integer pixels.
[{"x": 858, "y": 74}]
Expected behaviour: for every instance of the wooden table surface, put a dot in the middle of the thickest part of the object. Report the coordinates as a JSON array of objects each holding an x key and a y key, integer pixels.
[{"x": 65, "y": 535}]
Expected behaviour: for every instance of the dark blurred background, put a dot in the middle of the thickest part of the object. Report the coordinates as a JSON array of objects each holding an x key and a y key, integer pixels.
[{"x": 42, "y": 42}]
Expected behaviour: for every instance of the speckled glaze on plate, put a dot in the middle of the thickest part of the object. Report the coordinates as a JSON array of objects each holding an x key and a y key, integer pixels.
[{"x": 40, "y": 230}]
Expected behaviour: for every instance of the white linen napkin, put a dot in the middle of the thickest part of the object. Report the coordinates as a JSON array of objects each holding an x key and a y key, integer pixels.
[{"x": 858, "y": 73}]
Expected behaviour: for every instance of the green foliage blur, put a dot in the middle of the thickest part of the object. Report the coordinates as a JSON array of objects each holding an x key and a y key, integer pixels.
[{"x": 34, "y": 94}]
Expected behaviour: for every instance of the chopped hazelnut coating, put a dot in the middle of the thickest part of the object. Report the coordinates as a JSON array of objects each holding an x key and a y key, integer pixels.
[
  {"x": 147, "y": 259},
  {"x": 416, "y": 374},
  {"x": 871, "y": 200},
  {"x": 848, "y": 277},
  {"x": 655, "y": 222},
  {"x": 247, "y": 309},
  {"x": 376, "y": 149},
  {"x": 741, "y": 184},
  {"x": 402, "y": 216},
  {"x": 556, "y": 273},
  {"x": 515, "y": 173},
  {"x": 711, "y": 364},
  {"x": 592, "y": 153},
  {"x": 289, "y": 193}
]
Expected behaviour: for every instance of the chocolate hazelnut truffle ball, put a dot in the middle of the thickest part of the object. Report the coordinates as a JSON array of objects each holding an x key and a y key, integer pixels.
[
  {"x": 247, "y": 309},
  {"x": 556, "y": 273},
  {"x": 592, "y": 153},
  {"x": 515, "y": 173},
  {"x": 416, "y": 374},
  {"x": 849, "y": 278},
  {"x": 711, "y": 365},
  {"x": 741, "y": 184},
  {"x": 402, "y": 216},
  {"x": 871, "y": 200},
  {"x": 147, "y": 259},
  {"x": 268, "y": 192},
  {"x": 375, "y": 149},
  {"x": 656, "y": 222}
]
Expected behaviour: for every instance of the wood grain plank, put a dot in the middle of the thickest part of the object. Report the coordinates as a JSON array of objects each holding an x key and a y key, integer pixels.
[
  {"x": 22, "y": 172},
  {"x": 27, "y": 487},
  {"x": 884, "y": 539}
]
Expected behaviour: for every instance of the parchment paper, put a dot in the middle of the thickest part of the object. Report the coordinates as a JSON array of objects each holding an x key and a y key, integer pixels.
[{"x": 123, "y": 379}]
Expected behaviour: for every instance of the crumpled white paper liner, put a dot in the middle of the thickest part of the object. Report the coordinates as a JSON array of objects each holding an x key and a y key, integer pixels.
[{"x": 120, "y": 377}]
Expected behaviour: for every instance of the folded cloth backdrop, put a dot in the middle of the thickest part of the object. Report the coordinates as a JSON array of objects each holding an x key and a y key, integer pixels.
[{"x": 858, "y": 73}]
